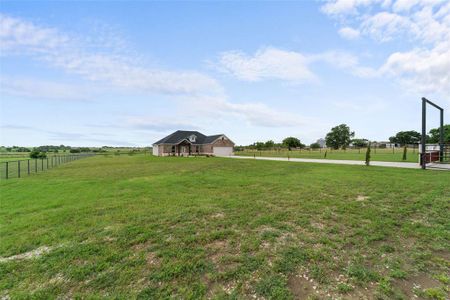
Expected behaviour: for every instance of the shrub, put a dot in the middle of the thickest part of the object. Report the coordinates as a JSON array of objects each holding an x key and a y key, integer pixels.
[
  {"x": 368, "y": 155},
  {"x": 315, "y": 146},
  {"x": 37, "y": 154}
]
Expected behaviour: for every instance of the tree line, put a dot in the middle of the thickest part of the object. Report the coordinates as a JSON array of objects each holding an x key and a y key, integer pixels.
[{"x": 341, "y": 137}]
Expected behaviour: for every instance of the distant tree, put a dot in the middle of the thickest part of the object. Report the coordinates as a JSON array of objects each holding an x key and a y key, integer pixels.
[
  {"x": 75, "y": 150},
  {"x": 361, "y": 143},
  {"x": 23, "y": 149},
  {"x": 260, "y": 145},
  {"x": 339, "y": 137},
  {"x": 269, "y": 144},
  {"x": 434, "y": 134},
  {"x": 405, "y": 149},
  {"x": 315, "y": 146},
  {"x": 368, "y": 155},
  {"x": 34, "y": 154},
  {"x": 37, "y": 154},
  {"x": 406, "y": 137},
  {"x": 292, "y": 142}
]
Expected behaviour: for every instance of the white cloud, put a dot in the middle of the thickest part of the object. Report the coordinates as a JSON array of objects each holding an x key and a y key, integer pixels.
[
  {"x": 423, "y": 23},
  {"x": 421, "y": 69},
  {"x": 66, "y": 52},
  {"x": 44, "y": 89},
  {"x": 348, "y": 7},
  {"x": 254, "y": 113},
  {"x": 159, "y": 124},
  {"x": 384, "y": 26},
  {"x": 349, "y": 33},
  {"x": 290, "y": 66},
  {"x": 345, "y": 61},
  {"x": 267, "y": 63}
]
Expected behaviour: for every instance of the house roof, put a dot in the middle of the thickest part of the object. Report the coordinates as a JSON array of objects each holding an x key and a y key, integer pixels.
[{"x": 180, "y": 135}]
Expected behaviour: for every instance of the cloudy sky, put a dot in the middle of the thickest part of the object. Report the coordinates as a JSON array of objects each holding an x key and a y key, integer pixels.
[{"x": 128, "y": 73}]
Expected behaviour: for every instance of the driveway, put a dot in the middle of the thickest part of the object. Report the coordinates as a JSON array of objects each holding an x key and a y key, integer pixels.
[{"x": 407, "y": 165}]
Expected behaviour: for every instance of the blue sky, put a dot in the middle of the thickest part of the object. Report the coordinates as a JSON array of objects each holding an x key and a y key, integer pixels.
[{"x": 128, "y": 73}]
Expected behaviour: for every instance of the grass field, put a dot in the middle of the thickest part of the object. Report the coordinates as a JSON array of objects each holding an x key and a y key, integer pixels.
[
  {"x": 349, "y": 154},
  {"x": 192, "y": 228}
]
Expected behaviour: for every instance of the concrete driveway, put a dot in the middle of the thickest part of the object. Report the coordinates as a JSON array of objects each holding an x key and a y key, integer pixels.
[{"x": 406, "y": 165}]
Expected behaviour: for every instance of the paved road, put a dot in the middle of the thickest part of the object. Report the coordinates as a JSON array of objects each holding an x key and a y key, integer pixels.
[{"x": 407, "y": 165}]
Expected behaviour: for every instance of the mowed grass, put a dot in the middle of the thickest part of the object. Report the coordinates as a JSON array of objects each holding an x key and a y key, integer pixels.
[
  {"x": 395, "y": 155},
  {"x": 192, "y": 228}
]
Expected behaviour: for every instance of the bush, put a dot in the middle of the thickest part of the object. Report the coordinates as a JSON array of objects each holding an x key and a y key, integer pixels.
[
  {"x": 315, "y": 146},
  {"x": 75, "y": 150},
  {"x": 37, "y": 154},
  {"x": 368, "y": 155}
]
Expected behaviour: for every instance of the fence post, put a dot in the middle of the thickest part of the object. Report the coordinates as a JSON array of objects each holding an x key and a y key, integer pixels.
[
  {"x": 28, "y": 167},
  {"x": 35, "y": 165},
  {"x": 18, "y": 169},
  {"x": 7, "y": 170},
  {"x": 47, "y": 162},
  {"x": 42, "y": 164}
]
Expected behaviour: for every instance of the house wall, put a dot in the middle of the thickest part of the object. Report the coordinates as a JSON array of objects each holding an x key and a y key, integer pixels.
[
  {"x": 155, "y": 150},
  {"x": 165, "y": 150},
  {"x": 208, "y": 148}
]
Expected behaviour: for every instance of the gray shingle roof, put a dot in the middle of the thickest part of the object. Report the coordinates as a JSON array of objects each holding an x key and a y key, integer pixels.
[{"x": 181, "y": 135}]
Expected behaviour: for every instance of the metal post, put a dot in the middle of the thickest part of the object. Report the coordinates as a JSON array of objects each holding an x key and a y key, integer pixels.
[
  {"x": 47, "y": 162},
  {"x": 441, "y": 138},
  {"x": 35, "y": 165},
  {"x": 28, "y": 167},
  {"x": 7, "y": 171},
  {"x": 42, "y": 164},
  {"x": 424, "y": 126},
  {"x": 18, "y": 169}
]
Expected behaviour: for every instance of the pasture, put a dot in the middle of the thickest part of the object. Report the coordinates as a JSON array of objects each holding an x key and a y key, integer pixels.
[
  {"x": 190, "y": 228},
  {"x": 379, "y": 154}
]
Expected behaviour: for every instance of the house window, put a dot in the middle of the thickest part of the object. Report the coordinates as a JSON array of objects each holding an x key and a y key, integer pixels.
[
  {"x": 173, "y": 149},
  {"x": 192, "y": 138},
  {"x": 197, "y": 149}
]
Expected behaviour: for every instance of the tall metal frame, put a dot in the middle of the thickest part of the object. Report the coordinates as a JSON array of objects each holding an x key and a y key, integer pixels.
[{"x": 423, "y": 159}]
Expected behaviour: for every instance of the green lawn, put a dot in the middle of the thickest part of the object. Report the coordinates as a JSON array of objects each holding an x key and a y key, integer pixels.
[
  {"x": 349, "y": 154},
  {"x": 150, "y": 228}
]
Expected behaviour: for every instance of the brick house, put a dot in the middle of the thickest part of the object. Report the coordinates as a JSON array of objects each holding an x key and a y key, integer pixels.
[{"x": 183, "y": 143}]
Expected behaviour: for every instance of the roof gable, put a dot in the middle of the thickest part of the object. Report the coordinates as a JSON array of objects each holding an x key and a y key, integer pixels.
[{"x": 180, "y": 135}]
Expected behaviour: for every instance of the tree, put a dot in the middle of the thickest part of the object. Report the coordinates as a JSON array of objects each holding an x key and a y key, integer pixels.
[
  {"x": 368, "y": 155},
  {"x": 360, "y": 143},
  {"x": 269, "y": 144},
  {"x": 315, "y": 146},
  {"x": 406, "y": 137},
  {"x": 37, "y": 154},
  {"x": 339, "y": 137},
  {"x": 405, "y": 149},
  {"x": 434, "y": 134},
  {"x": 259, "y": 145},
  {"x": 292, "y": 142}
]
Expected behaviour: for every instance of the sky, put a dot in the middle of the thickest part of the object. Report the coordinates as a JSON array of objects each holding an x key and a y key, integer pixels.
[{"x": 123, "y": 73}]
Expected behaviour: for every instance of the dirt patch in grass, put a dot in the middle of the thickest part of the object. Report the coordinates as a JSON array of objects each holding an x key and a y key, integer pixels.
[
  {"x": 28, "y": 255},
  {"x": 141, "y": 246},
  {"x": 361, "y": 198},
  {"x": 416, "y": 283},
  {"x": 218, "y": 215},
  {"x": 301, "y": 286}
]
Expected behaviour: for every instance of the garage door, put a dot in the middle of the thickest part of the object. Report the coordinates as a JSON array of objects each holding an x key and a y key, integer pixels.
[{"x": 222, "y": 151}]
